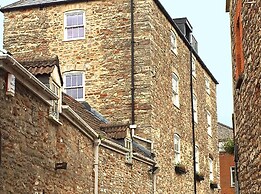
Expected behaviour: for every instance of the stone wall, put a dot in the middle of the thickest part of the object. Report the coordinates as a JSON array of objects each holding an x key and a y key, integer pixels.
[
  {"x": 31, "y": 144},
  {"x": 168, "y": 119},
  {"x": 247, "y": 98},
  {"x": 104, "y": 54},
  {"x": 111, "y": 178},
  {"x": 105, "y": 57}
]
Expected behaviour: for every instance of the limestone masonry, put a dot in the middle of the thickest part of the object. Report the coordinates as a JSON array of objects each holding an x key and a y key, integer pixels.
[{"x": 169, "y": 76}]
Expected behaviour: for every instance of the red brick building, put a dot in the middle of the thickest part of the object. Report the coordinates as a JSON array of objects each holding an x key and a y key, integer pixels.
[{"x": 226, "y": 160}]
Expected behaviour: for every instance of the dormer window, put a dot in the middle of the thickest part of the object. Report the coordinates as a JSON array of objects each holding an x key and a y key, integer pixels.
[
  {"x": 74, "y": 25},
  {"x": 74, "y": 84}
]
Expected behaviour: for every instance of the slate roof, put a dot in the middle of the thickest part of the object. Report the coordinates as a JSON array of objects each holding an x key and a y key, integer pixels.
[
  {"x": 224, "y": 132},
  {"x": 35, "y": 3}
]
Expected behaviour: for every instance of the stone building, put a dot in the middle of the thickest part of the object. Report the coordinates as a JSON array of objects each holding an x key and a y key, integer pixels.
[
  {"x": 226, "y": 160},
  {"x": 66, "y": 152},
  {"x": 245, "y": 19},
  {"x": 134, "y": 64}
]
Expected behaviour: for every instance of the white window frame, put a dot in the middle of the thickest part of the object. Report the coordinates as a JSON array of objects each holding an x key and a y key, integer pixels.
[
  {"x": 175, "y": 90},
  {"x": 232, "y": 176},
  {"x": 70, "y": 73},
  {"x": 197, "y": 158},
  {"x": 209, "y": 125},
  {"x": 55, "y": 108},
  {"x": 211, "y": 174},
  {"x": 207, "y": 85},
  {"x": 70, "y": 27},
  {"x": 176, "y": 148},
  {"x": 173, "y": 42},
  {"x": 195, "y": 109},
  {"x": 193, "y": 67}
]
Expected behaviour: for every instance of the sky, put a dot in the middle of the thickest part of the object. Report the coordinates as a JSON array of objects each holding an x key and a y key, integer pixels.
[{"x": 211, "y": 28}]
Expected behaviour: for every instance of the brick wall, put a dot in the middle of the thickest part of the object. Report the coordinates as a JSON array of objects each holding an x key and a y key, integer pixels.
[
  {"x": 226, "y": 162},
  {"x": 247, "y": 97}
]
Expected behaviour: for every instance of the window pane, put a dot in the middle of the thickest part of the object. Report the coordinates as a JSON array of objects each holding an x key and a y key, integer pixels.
[
  {"x": 68, "y": 91},
  {"x": 74, "y": 93},
  {"x": 74, "y": 20},
  {"x": 69, "y": 33},
  {"x": 80, "y": 19},
  {"x": 80, "y": 92},
  {"x": 74, "y": 80},
  {"x": 69, "y": 20},
  {"x": 79, "y": 80},
  {"x": 74, "y": 32},
  {"x": 68, "y": 81},
  {"x": 81, "y": 31}
]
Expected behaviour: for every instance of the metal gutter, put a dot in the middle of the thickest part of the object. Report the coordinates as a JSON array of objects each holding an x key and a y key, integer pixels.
[{"x": 38, "y": 5}]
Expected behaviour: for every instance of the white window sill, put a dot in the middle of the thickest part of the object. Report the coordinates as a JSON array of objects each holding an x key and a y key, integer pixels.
[
  {"x": 55, "y": 120},
  {"x": 72, "y": 39}
]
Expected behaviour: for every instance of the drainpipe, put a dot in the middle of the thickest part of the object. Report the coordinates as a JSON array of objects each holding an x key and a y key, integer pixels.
[
  {"x": 193, "y": 121},
  {"x": 132, "y": 64},
  {"x": 235, "y": 155},
  {"x": 97, "y": 142}
]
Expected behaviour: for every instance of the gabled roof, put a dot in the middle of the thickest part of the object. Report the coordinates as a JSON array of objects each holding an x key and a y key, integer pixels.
[{"x": 42, "y": 66}]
